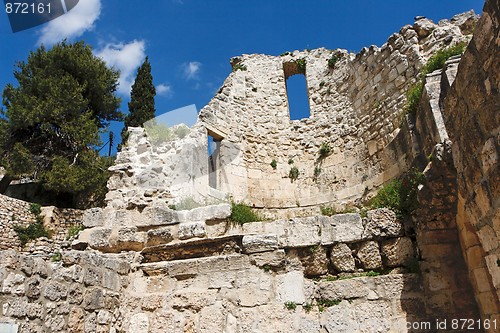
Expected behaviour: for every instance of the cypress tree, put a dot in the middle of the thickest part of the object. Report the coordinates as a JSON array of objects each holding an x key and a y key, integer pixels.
[{"x": 142, "y": 100}]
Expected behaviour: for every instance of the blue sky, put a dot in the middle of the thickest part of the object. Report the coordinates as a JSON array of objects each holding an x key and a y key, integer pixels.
[{"x": 190, "y": 42}]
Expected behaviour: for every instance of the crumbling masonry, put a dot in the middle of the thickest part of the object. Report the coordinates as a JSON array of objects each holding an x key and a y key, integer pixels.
[{"x": 142, "y": 266}]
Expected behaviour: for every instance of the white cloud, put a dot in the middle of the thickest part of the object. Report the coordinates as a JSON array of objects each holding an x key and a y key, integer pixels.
[
  {"x": 125, "y": 57},
  {"x": 73, "y": 24},
  {"x": 164, "y": 90},
  {"x": 191, "y": 70}
]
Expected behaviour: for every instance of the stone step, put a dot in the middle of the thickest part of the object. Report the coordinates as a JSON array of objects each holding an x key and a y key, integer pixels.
[
  {"x": 196, "y": 248},
  {"x": 186, "y": 268}
]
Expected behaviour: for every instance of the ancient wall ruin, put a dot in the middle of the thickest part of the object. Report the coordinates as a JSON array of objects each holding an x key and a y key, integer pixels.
[
  {"x": 57, "y": 221},
  {"x": 356, "y": 108},
  {"x": 472, "y": 118},
  {"x": 144, "y": 264}
]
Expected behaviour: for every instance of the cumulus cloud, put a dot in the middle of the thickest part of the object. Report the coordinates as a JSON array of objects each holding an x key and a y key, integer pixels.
[
  {"x": 164, "y": 90},
  {"x": 125, "y": 57},
  {"x": 72, "y": 24},
  {"x": 191, "y": 70}
]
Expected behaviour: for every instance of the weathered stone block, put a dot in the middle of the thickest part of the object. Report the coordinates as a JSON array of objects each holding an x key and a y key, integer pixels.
[
  {"x": 369, "y": 255},
  {"x": 157, "y": 215},
  {"x": 314, "y": 259},
  {"x": 96, "y": 238},
  {"x": 424, "y": 27},
  {"x": 259, "y": 243},
  {"x": 342, "y": 259},
  {"x": 159, "y": 236},
  {"x": 93, "y": 217},
  {"x": 290, "y": 287},
  {"x": 193, "y": 299},
  {"x": 273, "y": 259},
  {"x": 206, "y": 213},
  {"x": 14, "y": 283},
  {"x": 139, "y": 323},
  {"x": 33, "y": 287},
  {"x": 55, "y": 291},
  {"x": 382, "y": 222},
  {"x": 397, "y": 252},
  {"x": 341, "y": 228},
  {"x": 127, "y": 239},
  {"x": 189, "y": 230},
  {"x": 94, "y": 299}
]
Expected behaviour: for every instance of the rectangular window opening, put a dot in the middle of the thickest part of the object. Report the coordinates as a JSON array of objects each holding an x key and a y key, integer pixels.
[
  {"x": 298, "y": 97},
  {"x": 214, "y": 145}
]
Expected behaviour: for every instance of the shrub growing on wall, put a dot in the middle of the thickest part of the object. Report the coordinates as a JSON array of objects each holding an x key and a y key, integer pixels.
[{"x": 400, "y": 195}]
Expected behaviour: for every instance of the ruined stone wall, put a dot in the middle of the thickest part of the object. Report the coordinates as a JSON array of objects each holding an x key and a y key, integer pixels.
[
  {"x": 79, "y": 293},
  {"x": 302, "y": 275},
  {"x": 471, "y": 115},
  {"x": 14, "y": 212},
  {"x": 356, "y": 108}
]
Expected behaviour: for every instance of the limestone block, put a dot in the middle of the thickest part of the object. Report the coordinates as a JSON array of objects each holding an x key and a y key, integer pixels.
[
  {"x": 193, "y": 299},
  {"x": 139, "y": 323},
  {"x": 259, "y": 243},
  {"x": 189, "y": 230},
  {"x": 157, "y": 215},
  {"x": 93, "y": 299},
  {"x": 314, "y": 259},
  {"x": 96, "y": 238},
  {"x": 397, "y": 252},
  {"x": 343, "y": 228},
  {"x": 424, "y": 27},
  {"x": 162, "y": 235},
  {"x": 33, "y": 287},
  {"x": 369, "y": 255},
  {"x": 299, "y": 232},
  {"x": 465, "y": 21},
  {"x": 290, "y": 287},
  {"x": 382, "y": 222},
  {"x": 212, "y": 318},
  {"x": 14, "y": 283},
  {"x": 111, "y": 280},
  {"x": 127, "y": 239},
  {"x": 55, "y": 324},
  {"x": 93, "y": 217},
  {"x": 206, "y": 213},
  {"x": 374, "y": 316},
  {"x": 340, "y": 318},
  {"x": 75, "y": 319},
  {"x": 341, "y": 258},
  {"x": 55, "y": 291},
  {"x": 317, "y": 263},
  {"x": 92, "y": 275},
  {"x": 103, "y": 317},
  {"x": 273, "y": 259}
]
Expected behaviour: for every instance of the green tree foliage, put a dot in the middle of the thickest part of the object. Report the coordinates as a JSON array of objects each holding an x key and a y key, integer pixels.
[
  {"x": 52, "y": 118},
  {"x": 142, "y": 99}
]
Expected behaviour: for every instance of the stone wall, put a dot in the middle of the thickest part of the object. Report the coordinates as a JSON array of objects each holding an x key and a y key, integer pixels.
[
  {"x": 80, "y": 293},
  {"x": 356, "y": 108},
  {"x": 57, "y": 221},
  {"x": 471, "y": 115},
  {"x": 302, "y": 275}
]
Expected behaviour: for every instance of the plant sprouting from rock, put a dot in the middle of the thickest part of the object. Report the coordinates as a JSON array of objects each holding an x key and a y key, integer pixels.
[
  {"x": 290, "y": 305},
  {"x": 239, "y": 67},
  {"x": 241, "y": 214},
  {"x": 324, "y": 149},
  {"x": 274, "y": 164},
  {"x": 294, "y": 173},
  {"x": 301, "y": 65},
  {"x": 334, "y": 59},
  {"x": 400, "y": 195}
]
